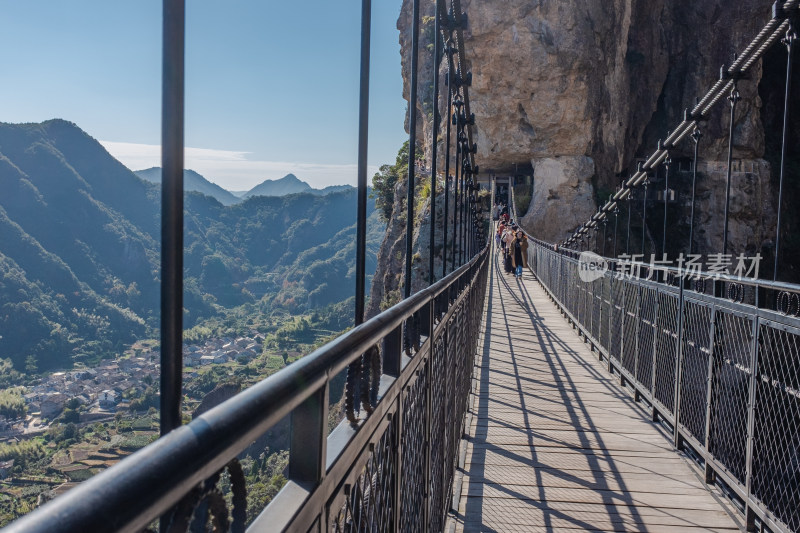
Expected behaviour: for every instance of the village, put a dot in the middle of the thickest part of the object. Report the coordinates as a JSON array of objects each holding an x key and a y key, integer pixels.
[{"x": 97, "y": 394}]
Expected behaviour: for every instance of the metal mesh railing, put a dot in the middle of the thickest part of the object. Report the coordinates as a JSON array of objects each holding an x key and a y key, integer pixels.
[
  {"x": 695, "y": 355},
  {"x": 666, "y": 350},
  {"x": 776, "y": 435},
  {"x": 368, "y": 504},
  {"x": 716, "y": 357}
]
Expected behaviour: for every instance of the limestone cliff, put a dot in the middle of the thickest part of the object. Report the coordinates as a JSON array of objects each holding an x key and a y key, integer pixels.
[
  {"x": 578, "y": 90},
  {"x": 387, "y": 285}
]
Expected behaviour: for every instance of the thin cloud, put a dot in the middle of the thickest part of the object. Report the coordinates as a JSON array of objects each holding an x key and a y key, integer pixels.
[{"x": 233, "y": 170}]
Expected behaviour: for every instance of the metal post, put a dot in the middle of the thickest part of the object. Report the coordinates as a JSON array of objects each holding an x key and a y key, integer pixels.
[
  {"x": 437, "y": 57},
  {"x": 428, "y": 425},
  {"x": 470, "y": 222},
  {"x": 363, "y": 137},
  {"x": 455, "y": 190},
  {"x": 696, "y": 135},
  {"x": 308, "y": 433},
  {"x": 676, "y": 407},
  {"x": 616, "y": 220},
  {"x": 751, "y": 406},
  {"x": 605, "y": 224},
  {"x": 444, "y": 225},
  {"x": 412, "y": 146},
  {"x": 455, "y": 202},
  {"x": 667, "y": 163},
  {"x": 468, "y": 228},
  {"x": 628, "y": 238},
  {"x": 172, "y": 122},
  {"x": 447, "y": 160},
  {"x": 733, "y": 98},
  {"x": 596, "y": 239},
  {"x": 463, "y": 212},
  {"x": 397, "y": 451},
  {"x": 791, "y": 37},
  {"x": 644, "y": 214},
  {"x": 715, "y": 334}
]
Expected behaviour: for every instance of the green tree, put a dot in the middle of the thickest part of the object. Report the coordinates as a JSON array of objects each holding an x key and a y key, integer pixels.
[
  {"x": 31, "y": 365},
  {"x": 385, "y": 180},
  {"x": 70, "y": 415},
  {"x": 12, "y": 404}
]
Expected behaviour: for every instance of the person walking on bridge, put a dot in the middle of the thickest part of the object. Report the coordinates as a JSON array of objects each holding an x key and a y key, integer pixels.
[{"x": 519, "y": 252}]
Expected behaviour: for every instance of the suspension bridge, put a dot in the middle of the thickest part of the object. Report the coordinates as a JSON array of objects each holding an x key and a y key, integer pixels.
[{"x": 641, "y": 398}]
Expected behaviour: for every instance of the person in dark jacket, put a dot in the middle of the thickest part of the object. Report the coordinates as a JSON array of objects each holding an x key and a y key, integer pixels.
[{"x": 519, "y": 252}]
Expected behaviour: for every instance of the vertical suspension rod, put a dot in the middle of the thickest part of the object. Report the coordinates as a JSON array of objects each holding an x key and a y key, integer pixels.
[
  {"x": 733, "y": 98},
  {"x": 462, "y": 225},
  {"x": 447, "y": 157},
  {"x": 791, "y": 37},
  {"x": 437, "y": 57},
  {"x": 696, "y": 135},
  {"x": 455, "y": 197},
  {"x": 644, "y": 215},
  {"x": 412, "y": 146},
  {"x": 172, "y": 124},
  {"x": 363, "y": 138},
  {"x": 597, "y": 239},
  {"x": 628, "y": 238},
  {"x": 464, "y": 207},
  {"x": 667, "y": 164}
]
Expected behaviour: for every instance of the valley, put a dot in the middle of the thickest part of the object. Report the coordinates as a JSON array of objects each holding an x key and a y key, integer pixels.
[{"x": 269, "y": 276}]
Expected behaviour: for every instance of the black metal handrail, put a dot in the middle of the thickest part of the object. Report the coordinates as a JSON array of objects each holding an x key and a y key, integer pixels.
[
  {"x": 712, "y": 360},
  {"x": 156, "y": 479}
]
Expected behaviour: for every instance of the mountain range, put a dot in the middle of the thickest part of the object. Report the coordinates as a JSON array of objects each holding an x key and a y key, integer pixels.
[
  {"x": 79, "y": 257},
  {"x": 192, "y": 181},
  {"x": 289, "y": 184}
]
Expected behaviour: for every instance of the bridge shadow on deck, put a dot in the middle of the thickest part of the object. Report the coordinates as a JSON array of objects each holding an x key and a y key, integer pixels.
[{"x": 555, "y": 444}]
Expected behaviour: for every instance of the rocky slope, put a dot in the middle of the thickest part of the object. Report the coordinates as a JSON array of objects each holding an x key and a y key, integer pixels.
[
  {"x": 576, "y": 91},
  {"x": 388, "y": 283}
]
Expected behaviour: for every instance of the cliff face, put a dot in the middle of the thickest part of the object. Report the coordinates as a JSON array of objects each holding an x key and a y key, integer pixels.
[
  {"x": 387, "y": 285},
  {"x": 578, "y": 90}
]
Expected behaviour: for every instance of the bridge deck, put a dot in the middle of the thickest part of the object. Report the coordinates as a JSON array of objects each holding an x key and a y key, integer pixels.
[{"x": 555, "y": 442}]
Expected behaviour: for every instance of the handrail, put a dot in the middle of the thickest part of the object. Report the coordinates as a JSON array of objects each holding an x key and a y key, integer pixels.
[
  {"x": 145, "y": 485},
  {"x": 760, "y": 289}
]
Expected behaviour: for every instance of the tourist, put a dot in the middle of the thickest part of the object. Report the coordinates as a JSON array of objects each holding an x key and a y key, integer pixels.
[{"x": 519, "y": 252}]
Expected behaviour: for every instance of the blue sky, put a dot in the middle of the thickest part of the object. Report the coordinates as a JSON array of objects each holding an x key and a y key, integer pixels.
[{"x": 271, "y": 87}]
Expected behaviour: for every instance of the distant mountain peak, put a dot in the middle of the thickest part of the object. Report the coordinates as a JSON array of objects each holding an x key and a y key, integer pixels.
[
  {"x": 289, "y": 184},
  {"x": 291, "y": 177}
]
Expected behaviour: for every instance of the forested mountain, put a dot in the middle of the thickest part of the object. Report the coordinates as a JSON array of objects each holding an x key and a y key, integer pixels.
[
  {"x": 79, "y": 254},
  {"x": 192, "y": 181}
]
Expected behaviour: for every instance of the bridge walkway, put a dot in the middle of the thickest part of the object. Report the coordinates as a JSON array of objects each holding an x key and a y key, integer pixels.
[{"x": 556, "y": 444}]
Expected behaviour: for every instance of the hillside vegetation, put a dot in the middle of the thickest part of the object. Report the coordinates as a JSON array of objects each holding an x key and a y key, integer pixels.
[{"x": 79, "y": 258}]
